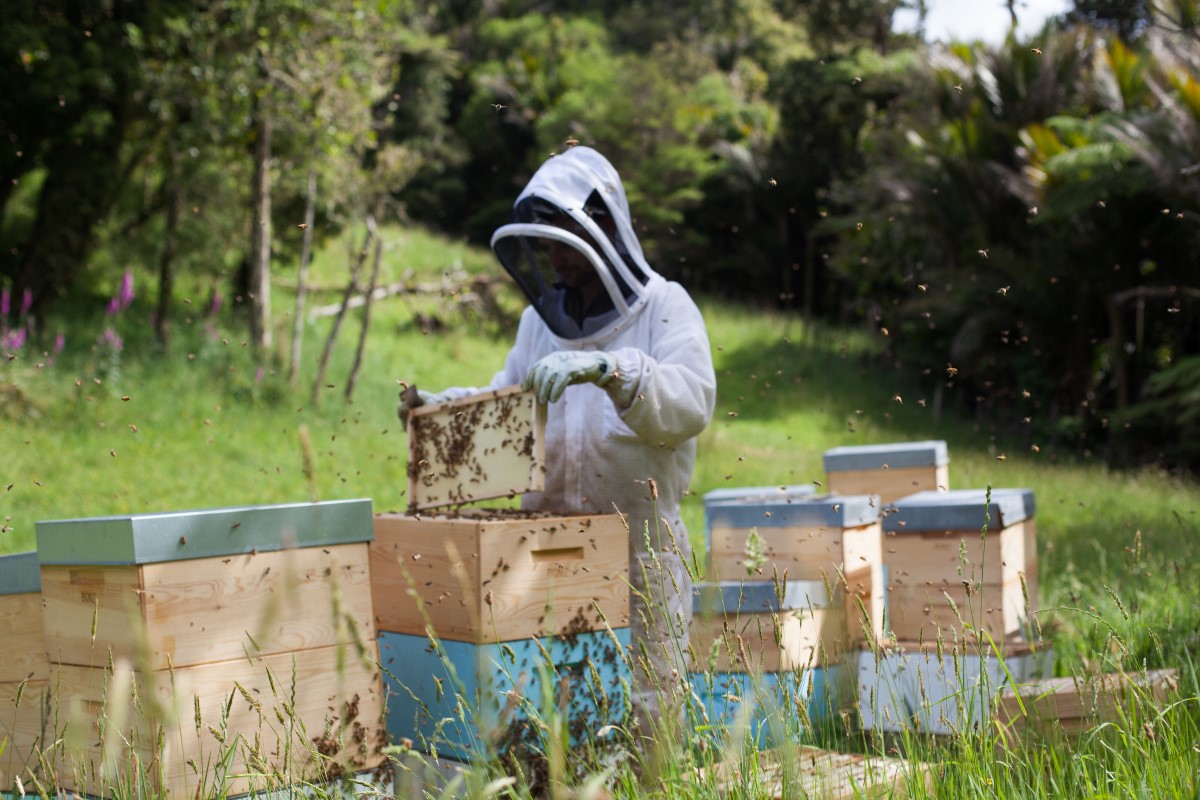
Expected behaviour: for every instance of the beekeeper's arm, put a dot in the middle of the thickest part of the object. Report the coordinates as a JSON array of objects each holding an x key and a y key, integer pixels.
[{"x": 664, "y": 391}]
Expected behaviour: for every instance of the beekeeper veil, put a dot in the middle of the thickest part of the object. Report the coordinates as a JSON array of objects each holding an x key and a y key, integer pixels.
[{"x": 571, "y": 247}]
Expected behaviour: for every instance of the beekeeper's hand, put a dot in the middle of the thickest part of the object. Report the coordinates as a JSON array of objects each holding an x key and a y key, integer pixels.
[
  {"x": 551, "y": 376},
  {"x": 411, "y": 398}
]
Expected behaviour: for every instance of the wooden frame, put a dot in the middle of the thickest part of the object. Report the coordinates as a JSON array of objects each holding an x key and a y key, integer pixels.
[{"x": 483, "y": 446}]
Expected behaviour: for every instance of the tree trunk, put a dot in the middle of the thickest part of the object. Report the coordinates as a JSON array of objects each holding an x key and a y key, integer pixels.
[
  {"x": 351, "y": 288},
  {"x": 366, "y": 319},
  {"x": 260, "y": 249},
  {"x": 310, "y": 213}
]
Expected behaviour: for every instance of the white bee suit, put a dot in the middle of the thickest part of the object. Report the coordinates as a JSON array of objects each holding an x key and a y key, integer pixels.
[{"x": 605, "y": 443}]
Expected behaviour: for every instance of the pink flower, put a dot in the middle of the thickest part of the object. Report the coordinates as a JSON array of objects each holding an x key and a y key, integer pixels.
[
  {"x": 258, "y": 375},
  {"x": 125, "y": 294},
  {"x": 215, "y": 305},
  {"x": 112, "y": 339},
  {"x": 113, "y": 307},
  {"x": 26, "y": 301},
  {"x": 16, "y": 339},
  {"x": 60, "y": 342}
]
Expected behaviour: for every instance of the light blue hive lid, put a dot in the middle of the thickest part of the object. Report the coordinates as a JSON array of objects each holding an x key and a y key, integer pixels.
[
  {"x": 20, "y": 573},
  {"x": 755, "y": 494},
  {"x": 899, "y": 455},
  {"x": 959, "y": 510},
  {"x": 181, "y": 535},
  {"x": 753, "y": 597},
  {"x": 814, "y": 511}
]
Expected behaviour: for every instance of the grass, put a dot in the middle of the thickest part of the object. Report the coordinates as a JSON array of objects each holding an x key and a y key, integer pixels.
[{"x": 92, "y": 431}]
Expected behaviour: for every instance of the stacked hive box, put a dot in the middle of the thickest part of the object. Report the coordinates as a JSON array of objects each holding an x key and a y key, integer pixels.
[
  {"x": 24, "y": 727},
  {"x": 1077, "y": 704},
  {"x": 502, "y": 614},
  {"x": 792, "y": 578},
  {"x": 760, "y": 652},
  {"x": 510, "y": 598},
  {"x": 921, "y": 687},
  {"x": 244, "y": 633},
  {"x": 934, "y": 551},
  {"x": 891, "y": 471},
  {"x": 747, "y": 496},
  {"x": 952, "y": 593}
]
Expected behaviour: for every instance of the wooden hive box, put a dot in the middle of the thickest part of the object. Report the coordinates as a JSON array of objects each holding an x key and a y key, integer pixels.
[
  {"x": 891, "y": 471},
  {"x": 914, "y": 686},
  {"x": 748, "y": 496},
  {"x": 755, "y": 627},
  {"x": 495, "y": 575},
  {"x": 1075, "y": 704},
  {"x": 24, "y": 722},
  {"x": 205, "y": 601},
  {"x": 22, "y": 639},
  {"x": 831, "y": 539},
  {"x": 486, "y": 445},
  {"x": 496, "y": 685},
  {"x": 995, "y": 590},
  {"x": 765, "y": 656}
]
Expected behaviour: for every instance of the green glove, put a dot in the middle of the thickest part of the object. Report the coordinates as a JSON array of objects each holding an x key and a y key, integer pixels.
[{"x": 551, "y": 376}]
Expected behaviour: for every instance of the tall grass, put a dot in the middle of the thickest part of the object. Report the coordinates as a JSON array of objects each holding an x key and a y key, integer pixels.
[{"x": 92, "y": 431}]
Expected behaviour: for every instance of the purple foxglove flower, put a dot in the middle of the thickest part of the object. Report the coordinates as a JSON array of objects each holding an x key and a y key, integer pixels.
[
  {"x": 60, "y": 342},
  {"x": 16, "y": 339},
  {"x": 113, "y": 307},
  {"x": 125, "y": 295},
  {"x": 215, "y": 305}
]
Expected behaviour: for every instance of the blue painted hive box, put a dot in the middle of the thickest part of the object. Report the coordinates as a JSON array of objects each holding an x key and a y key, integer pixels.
[
  {"x": 827, "y": 539},
  {"x": 934, "y": 544},
  {"x": 771, "y": 708},
  {"x": 891, "y": 471},
  {"x": 749, "y": 496},
  {"x": 470, "y": 701}
]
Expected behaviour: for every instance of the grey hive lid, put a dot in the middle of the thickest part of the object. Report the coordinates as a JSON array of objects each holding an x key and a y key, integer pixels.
[
  {"x": 753, "y": 597},
  {"x": 182, "y": 535},
  {"x": 899, "y": 455},
  {"x": 815, "y": 511},
  {"x": 20, "y": 573},
  {"x": 958, "y": 510},
  {"x": 755, "y": 494}
]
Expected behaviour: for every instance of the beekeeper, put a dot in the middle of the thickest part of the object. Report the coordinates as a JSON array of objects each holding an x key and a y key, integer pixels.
[{"x": 621, "y": 356}]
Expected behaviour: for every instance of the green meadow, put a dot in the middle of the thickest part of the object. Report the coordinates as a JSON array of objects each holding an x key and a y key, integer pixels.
[{"x": 94, "y": 430}]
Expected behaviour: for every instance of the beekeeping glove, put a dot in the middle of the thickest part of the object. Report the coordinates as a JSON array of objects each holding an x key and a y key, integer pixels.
[{"x": 551, "y": 376}]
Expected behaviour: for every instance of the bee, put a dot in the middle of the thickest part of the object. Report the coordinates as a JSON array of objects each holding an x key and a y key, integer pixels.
[
  {"x": 983, "y": 253},
  {"x": 1035, "y": 51},
  {"x": 499, "y": 107},
  {"x": 1003, "y": 291},
  {"x": 958, "y": 88},
  {"x": 571, "y": 141},
  {"x": 303, "y": 226},
  {"x": 773, "y": 182},
  {"x": 951, "y": 370},
  {"x": 1002, "y": 457}
]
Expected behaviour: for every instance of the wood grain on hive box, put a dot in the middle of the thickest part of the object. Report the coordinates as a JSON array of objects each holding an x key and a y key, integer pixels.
[
  {"x": 209, "y": 609},
  {"x": 485, "y": 445},
  {"x": 22, "y": 641},
  {"x": 492, "y": 576},
  {"x": 25, "y": 729},
  {"x": 891, "y": 470},
  {"x": 327, "y": 686},
  {"x": 1075, "y": 704},
  {"x": 836, "y": 540}
]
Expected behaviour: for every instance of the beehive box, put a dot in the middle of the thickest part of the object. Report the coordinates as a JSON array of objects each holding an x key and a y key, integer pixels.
[
  {"x": 748, "y": 496},
  {"x": 207, "y": 601},
  {"x": 486, "y": 445},
  {"x": 502, "y": 690},
  {"x": 490, "y": 575},
  {"x": 891, "y": 471},
  {"x": 994, "y": 590},
  {"x": 1076, "y": 704},
  {"x": 916, "y": 687},
  {"x": 831, "y": 539},
  {"x": 23, "y": 669},
  {"x": 756, "y": 627},
  {"x": 771, "y": 707},
  {"x": 22, "y": 640}
]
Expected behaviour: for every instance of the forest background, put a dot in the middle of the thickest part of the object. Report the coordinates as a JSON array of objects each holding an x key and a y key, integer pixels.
[{"x": 1016, "y": 225}]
